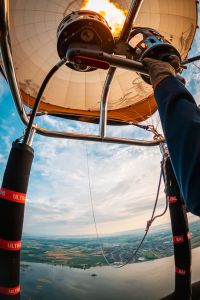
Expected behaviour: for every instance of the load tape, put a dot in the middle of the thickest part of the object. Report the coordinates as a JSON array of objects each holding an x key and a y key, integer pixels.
[
  {"x": 179, "y": 239},
  {"x": 182, "y": 272},
  {"x": 10, "y": 291},
  {"x": 12, "y": 196},
  {"x": 10, "y": 245},
  {"x": 172, "y": 199}
]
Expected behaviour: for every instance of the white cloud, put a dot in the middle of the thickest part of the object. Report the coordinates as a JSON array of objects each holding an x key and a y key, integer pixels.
[
  {"x": 123, "y": 180},
  {"x": 4, "y": 89},
  {"x": 2, "y": 159}
]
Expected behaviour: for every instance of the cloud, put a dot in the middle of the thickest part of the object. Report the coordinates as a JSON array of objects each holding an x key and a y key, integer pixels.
[
  {"x": 2, "y": 159},
  {"x": 123, "y": 179},
  {"x": 192, "y": 72},
  {"x": 123, "y": 182},
  {"x": 4, "y": 89}
]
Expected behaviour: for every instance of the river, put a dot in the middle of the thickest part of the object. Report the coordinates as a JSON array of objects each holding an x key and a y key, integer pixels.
[{"x": 148, "y": 280}]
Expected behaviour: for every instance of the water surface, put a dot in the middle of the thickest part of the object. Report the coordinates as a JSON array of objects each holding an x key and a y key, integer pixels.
[{"x": 149, "y": 280}]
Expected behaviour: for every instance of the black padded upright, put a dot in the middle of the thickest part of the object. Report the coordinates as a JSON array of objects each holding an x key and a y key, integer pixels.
[
  {"x": 12, "y": 203},
  {"x": 181, "y": 237}
]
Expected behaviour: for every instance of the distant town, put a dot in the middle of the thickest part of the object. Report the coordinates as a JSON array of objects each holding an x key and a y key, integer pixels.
[{"x": 86, "y": 252}]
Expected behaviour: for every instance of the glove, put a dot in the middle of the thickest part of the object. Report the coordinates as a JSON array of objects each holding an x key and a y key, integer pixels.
[{"x": 158, "y": 70}]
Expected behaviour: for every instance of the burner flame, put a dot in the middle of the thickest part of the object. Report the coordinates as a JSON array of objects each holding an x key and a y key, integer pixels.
[{"x": 114, "y": 15}]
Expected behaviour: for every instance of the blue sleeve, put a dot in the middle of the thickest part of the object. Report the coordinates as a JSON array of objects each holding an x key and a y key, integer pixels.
[{"x": 180, "y": 118}]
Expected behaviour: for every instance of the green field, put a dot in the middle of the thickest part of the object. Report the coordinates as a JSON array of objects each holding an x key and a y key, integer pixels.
[{"x": 86, "y": 253}]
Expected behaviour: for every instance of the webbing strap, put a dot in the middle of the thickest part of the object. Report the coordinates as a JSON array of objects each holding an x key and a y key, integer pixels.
[
  {"x": 179, "y": 271},
  {"x": 12, "y": 196},
  {"x": 178, "y": 239},
  {"x": 10, "y": 291},
  {"x": 182, "y": 272},
  {"x": 10, "y": 245},
  {"x": 172, "y": 199}
]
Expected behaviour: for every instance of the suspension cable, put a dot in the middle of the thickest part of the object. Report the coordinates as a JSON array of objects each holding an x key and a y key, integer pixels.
[
  {"x": 196, "y": 66},
  {"x": 149, "y": 223},
  {"x": 145, "y": 127}
]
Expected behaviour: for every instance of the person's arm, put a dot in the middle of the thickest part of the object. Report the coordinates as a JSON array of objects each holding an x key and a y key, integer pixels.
[{"x": 180, "y": 118}]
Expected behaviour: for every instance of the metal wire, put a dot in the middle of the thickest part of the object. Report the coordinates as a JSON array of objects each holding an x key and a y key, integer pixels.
[
  {"x": 196, "y": 66},
  {"x": 149, "y": 223},
  {"x": 92, "y": 206}
]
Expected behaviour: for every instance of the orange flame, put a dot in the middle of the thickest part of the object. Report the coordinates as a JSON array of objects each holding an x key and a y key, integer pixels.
[{"x": 114, "y": 15}]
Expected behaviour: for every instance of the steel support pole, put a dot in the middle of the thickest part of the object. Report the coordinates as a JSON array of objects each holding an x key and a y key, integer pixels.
[
  {"x": 132, "y": 14},
  {"x": 6, "y": 52},
  {"x": 131, "y": 17},
  {"x": 104, "y": 102}
]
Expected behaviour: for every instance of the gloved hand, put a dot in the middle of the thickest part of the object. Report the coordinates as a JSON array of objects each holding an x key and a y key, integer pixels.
[{"x": 158, "y": 70}]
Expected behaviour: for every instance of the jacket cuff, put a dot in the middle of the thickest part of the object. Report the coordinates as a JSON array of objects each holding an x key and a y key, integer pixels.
[{"x": 160, "y": 81}]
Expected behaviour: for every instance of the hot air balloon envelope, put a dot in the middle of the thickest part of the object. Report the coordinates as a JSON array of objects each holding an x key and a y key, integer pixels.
[{"x": 33, "y": 32}]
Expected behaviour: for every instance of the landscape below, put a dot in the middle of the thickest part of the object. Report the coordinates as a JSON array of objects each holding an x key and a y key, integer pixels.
[{"x": 86, "y": 252}]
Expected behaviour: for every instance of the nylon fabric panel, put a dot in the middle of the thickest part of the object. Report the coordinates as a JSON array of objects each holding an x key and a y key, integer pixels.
[{"x": 33, "y": 27}]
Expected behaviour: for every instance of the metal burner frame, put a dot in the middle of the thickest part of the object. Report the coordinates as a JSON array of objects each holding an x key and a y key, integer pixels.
[{"x": 11, "y": 78}]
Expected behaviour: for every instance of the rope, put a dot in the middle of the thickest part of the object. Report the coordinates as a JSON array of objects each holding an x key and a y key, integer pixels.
[
  {"x": 145, "y": 127},
  {"x": 153, "y": 218},
  {"x": 149, "y": 223},
  {"x": 150, "y": 128},
  {"x": 92, "y": 206},
  {"x": 196, "y": 66}
]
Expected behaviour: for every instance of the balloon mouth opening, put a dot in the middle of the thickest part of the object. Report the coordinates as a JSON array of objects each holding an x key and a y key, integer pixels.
[{"x": 84, "y": 29}]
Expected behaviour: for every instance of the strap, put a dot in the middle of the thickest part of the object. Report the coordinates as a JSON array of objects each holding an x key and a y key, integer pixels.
[
  {"x": 10, "y": 245},
  {"x": 12, "y": 196},
  {"x": 10, "y": 291}
]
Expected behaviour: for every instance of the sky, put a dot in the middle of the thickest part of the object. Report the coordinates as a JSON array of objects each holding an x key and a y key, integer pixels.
[{"x": 123, "y": 179}]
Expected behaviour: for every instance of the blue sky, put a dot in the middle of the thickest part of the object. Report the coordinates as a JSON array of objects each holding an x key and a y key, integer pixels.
[{"x": 123, "y": 178}]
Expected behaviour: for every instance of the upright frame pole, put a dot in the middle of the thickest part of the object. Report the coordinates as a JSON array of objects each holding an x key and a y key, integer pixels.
[
  {"x": 181, "y": 236},
  {"x": 12, "y": 202}
]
